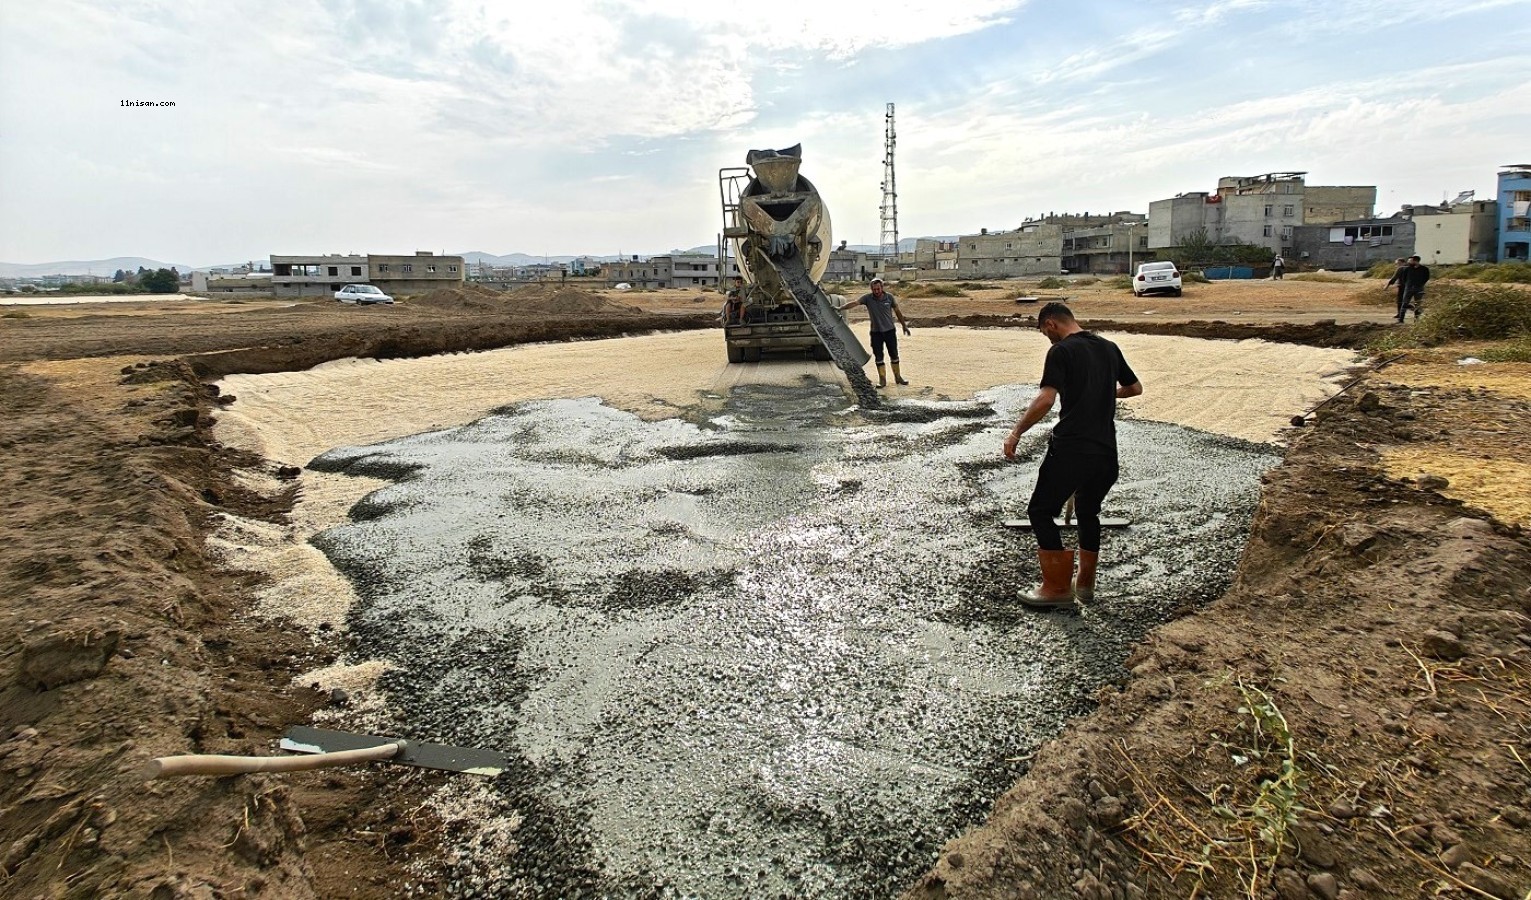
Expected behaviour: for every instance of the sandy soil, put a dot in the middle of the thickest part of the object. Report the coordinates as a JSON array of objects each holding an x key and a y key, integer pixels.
[{"x": 1381, "y": 626}]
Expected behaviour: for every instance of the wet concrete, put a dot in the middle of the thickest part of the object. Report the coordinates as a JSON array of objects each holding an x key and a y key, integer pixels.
[{"x": 771, "y": 652}]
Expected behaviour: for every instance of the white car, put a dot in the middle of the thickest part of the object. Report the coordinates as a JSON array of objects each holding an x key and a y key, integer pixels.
[
  {"x": 1156, "y": 276},
  {"x": 361, "y": 293}
]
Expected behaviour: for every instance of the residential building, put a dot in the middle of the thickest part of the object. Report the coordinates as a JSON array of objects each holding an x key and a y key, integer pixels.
[
  {"x": 246, "y": 283},
  {"x": 1262, "y": 209},
  {"x": 1108, "y": 247},
  {"x": 1457, "y": 233},
  {"x": 1351, "y": 245},
  {"x": 935, "y": 255},
  {"x": 1515, "y": 213},
  {"x": 1036, "y": 248},
  {"x": 317, "y": 276},
  {"x": 846, "y": 264},
  {"x": 680, "y": 270}
]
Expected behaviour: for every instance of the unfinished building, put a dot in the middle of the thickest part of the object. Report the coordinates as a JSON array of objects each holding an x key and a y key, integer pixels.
[
  {"x": 1036, "y": 248},
  {"x": 318, "y": 276},
  {"x": 1264, "y": 210}
]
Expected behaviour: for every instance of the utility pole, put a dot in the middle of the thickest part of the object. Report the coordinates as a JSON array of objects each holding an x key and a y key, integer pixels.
[{"x": 889, "y": 195}]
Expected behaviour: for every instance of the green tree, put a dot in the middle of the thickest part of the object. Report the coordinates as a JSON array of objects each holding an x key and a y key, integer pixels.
[{"x": 161, "y": 281}]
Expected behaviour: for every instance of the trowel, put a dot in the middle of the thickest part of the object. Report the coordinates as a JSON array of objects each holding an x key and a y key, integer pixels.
[{"x": 323, "y": 748}]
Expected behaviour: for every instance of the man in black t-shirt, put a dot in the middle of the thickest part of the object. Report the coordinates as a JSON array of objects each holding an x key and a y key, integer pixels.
[{"x": 1090, "y": 374}]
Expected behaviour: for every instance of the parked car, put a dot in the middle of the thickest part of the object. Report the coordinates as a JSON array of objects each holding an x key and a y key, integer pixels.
[
  {"x": 361, "y": 293},
  {"x": 1155, "y": 277}
]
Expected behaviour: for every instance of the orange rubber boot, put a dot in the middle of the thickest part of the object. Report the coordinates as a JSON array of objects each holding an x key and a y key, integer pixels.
[
  {"x": 1084, "y": 582},
  {"x": 1057, "y": 580}
]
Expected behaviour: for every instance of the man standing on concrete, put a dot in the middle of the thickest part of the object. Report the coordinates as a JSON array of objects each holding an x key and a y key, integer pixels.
[
  {"x": 883, "y": 309},
  {"x": 1090, "y": 374},
  {"x": 1411, "y": 293}
]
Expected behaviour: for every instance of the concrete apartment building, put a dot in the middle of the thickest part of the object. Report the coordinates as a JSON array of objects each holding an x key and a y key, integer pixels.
[
  {"x": 1515, "y": 213},
  {"x": 1105, "y": 245},
  {"x": 317, "y": 276},
  {"x": 1456, "y": 233},
  {"x": 1262, "y": 209},
  {"x": 680, "y": 270},
  {"x": 1351, "y": 245},
  {"x": 1036, "y": 248}
]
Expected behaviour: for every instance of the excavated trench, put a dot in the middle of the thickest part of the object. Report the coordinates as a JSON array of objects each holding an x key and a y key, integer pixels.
[{"x": 769, "y": 651}]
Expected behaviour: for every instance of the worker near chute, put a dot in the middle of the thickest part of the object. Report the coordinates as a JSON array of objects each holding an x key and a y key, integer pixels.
[
  {"x": 1090, "y": 374},
  {"x": 883, "y": 309}
]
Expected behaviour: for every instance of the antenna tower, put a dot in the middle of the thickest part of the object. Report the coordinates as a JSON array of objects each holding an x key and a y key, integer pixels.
[{"x": 889, "y": 193}]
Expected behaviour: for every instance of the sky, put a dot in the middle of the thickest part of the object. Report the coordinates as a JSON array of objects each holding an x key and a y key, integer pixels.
[{"x": 599, "y": 126}]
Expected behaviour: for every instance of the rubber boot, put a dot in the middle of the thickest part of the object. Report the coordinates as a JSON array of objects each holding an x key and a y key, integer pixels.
[
  {"x": 1056, "y": 589},
  {"x": 898, "y": 376},
  {"x": 1084, "y": 582},
  {"x": 882, "y": 375}
]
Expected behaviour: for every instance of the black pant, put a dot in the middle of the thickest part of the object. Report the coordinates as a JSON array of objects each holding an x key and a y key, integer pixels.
[
  {"x": 1402, "y": 306},
  {"x": 888, "y": 338},
  {"x": 1413, "y": 298},
  {"x": 1085, "y": 476}
]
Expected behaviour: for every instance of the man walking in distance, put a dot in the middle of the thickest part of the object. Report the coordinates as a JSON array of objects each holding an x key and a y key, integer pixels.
[
  {"x": 1399, "y": 278},
  {"x": 1411, "y": 294},
  {"x": 1278, "y": 268},
  {"x": 883, "y": 310},
  {"x": 1090, "y": 374}
]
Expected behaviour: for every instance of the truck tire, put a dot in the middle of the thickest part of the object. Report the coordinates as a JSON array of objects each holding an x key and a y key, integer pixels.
[
  {"x": 751, "y": 354},
  {"x": 735, "y": 354},
  {"x": 820, "y": 353}
]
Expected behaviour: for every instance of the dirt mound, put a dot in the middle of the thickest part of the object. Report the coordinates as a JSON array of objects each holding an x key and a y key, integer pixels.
[
  {"x": 531, "y": 300},
  {"x": 546, "y": 300},
  {"x": 462, "y": 298}
]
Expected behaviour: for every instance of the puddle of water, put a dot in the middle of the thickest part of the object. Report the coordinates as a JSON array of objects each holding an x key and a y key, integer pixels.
[{"x": 770, "y": 652}]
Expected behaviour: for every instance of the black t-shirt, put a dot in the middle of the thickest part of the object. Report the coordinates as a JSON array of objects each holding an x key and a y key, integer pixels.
[{"x": 1085, "y": 369}]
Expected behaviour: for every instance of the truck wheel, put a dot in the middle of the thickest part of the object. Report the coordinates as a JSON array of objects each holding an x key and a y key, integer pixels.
[
  {"x": 751, "y": 354},
  {"x": 821, "y": 353},
  {"x": 735, "y": 354}
]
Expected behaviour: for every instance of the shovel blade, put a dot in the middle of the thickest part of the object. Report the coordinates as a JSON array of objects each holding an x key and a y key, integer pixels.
[{"x": 487, "y": 763}]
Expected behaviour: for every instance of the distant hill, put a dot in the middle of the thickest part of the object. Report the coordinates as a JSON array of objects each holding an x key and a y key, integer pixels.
[
  {"x": 85, "y": 267},
  {"x": 473, "y": 257}
]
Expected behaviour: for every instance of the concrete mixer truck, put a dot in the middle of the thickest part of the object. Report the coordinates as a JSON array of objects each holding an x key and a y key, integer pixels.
[{"x": 779, "y": 229}]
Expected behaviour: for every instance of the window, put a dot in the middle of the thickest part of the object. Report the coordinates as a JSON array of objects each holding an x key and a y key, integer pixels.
[
  {"x": 1007, "y": 245},
  {"x": 356, "y": 270},
  {"x": 1286, "y": 211},
  {"x": 431, "y": 269},
  {"x": 382, "y": 267},
  {"x": 1269, "y": 208},
  {"x": 1286, "y": 232},
  {"x": 408, "y": 267},
  {"x": 334, "y": 270},
  {"x": 1267, "y": 231}
]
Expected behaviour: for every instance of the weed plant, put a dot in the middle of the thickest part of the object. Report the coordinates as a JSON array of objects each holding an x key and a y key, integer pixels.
[
  {"x": 928, "y": 289},
  {"x": 1491, "y": 273},
  {"x": 1324, "y": 277},
  {"x": 1052, "y": 283},
  {"x": 1085, "y": 282},
  {"x": 1121, "y": 281},
  {"x": 1456, "y": 311},
  {"x": 1194, "y": 278}
]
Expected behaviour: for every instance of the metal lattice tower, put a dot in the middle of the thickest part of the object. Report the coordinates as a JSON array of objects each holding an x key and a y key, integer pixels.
[{"x": 889, "y": 194}]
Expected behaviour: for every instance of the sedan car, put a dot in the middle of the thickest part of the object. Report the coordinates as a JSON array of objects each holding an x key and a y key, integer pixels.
[
  {"x": 361, "y": 293},
  {"x": 1156, "y": 276}
]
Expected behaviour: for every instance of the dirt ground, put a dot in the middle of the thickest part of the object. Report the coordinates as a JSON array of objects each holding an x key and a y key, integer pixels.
[{"x": 1349, "y": 720}]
